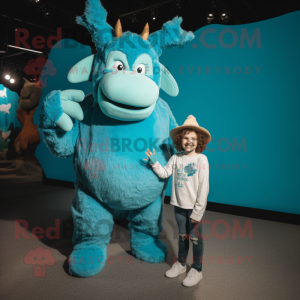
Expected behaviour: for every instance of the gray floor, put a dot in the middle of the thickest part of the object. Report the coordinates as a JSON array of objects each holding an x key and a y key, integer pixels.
[{"x": 273, "y": 273}]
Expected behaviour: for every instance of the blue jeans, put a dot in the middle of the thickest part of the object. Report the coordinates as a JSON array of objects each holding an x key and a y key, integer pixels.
[{"x": 187, "y": 230}]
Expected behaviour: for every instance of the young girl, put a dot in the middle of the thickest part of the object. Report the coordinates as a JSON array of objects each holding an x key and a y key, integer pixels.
[{"x": 190, "y": 187}]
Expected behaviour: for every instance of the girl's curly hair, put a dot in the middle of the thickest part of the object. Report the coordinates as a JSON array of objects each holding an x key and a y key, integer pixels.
[{"x": 177, "y": 141}]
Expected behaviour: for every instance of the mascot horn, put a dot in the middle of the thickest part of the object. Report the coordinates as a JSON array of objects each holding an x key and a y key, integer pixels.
[{"x": 108, "y": 132}]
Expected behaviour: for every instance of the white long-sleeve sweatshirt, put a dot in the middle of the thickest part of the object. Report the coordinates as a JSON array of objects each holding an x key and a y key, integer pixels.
[{"x": 190, "y": 184}]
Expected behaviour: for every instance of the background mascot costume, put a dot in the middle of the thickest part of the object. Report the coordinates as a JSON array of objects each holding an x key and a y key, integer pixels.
[
  {"x": 28, "y": 102},
  {"x": 106, "y": 131}
]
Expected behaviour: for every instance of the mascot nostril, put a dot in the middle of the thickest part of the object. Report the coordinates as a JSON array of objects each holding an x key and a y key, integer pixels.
[{"x": 112, "y": 127}]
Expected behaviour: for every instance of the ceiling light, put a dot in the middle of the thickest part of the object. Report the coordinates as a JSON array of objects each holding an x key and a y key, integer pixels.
[
  {"x": 210, "y": 16},
  {"x": 7, "y": 77},
  {"x": 211, "y": 11},
  {"x": 12, "y": 80},
  {"x": 153, "y": 14},
  {"x": 224, "y": 16}
]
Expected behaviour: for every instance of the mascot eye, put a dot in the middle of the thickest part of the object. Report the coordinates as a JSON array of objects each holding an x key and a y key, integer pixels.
[
  {"x": 119, "y": 65},
  {"x": 141, "y": 69}
]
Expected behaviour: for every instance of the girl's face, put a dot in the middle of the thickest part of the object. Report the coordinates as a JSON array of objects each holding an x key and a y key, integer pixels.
[{"x": 189, "y": 142}]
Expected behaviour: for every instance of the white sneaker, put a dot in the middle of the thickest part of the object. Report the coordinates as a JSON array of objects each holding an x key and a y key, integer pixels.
[
  {"x": 176, "y": 269},
  {"x": 192, "y": 278}
]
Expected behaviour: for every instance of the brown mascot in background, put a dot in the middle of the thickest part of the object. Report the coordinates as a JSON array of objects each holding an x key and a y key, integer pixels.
[{"x": 28, "y": 103}]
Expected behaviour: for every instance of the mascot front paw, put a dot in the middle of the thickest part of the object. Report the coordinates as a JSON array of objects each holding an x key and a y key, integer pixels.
[
  {"x": 156, "y": 252},
  {"x": 59, "y": 106},
  {"x": 86, "y": 261}
]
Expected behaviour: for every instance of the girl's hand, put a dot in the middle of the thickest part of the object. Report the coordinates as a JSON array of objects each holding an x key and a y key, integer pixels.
[
  {"x": 149, "y": 153},
  {"x": 152, "y": 159},
  {"x": 194, "y": 221}
]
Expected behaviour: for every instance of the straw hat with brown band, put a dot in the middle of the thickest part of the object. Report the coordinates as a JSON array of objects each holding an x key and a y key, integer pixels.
[{"x": 191, "y": 123}]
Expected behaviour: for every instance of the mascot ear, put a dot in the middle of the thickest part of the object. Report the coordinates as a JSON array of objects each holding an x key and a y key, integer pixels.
[
  {"x": 168, "y": 83},
  {"x": 82, "y": 70},
  {"x": 94, "y": 20}
]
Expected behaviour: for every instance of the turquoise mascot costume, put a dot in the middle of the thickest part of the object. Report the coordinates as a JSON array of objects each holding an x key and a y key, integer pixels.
[{"x": 108, "y": 132}]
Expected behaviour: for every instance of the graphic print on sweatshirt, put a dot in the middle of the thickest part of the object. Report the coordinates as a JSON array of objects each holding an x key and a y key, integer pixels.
[{"x": 184, "y": 174}]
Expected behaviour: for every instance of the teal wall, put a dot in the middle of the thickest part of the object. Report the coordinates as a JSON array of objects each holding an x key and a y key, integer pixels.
[{"x": 257, "y": 109}]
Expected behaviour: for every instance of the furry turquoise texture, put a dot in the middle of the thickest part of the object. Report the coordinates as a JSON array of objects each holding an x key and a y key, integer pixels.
[
  {"x": 145, "y": 226},
  {"x": 112, "y": 179},
  {"x": 60, "y": 143},
  {"x": 124, "y": 182},
  {"x": 133, "y": 46},
  {"x": 107, "y": 138},
  {"x": 87, "y": 261},
  {"x": 93, "y": 224},
  {"x": 103, "y": 35},
  {"x": 51, "y": 110},
  {"x": 94, "y": 19},
  {"x": 170, "y": 35}
]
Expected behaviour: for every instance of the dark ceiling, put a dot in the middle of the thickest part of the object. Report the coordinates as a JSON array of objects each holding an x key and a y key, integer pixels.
[{"x": 32, "y": 16}]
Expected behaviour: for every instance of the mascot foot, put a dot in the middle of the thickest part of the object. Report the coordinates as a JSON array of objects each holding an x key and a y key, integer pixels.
[
  {"x": 86, "y": 261},
  {"x": 155, "y": 252}
]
